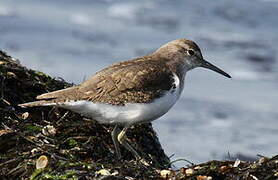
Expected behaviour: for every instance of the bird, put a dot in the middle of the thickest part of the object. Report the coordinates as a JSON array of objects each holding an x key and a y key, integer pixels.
[{"x": 132, "y": 92}]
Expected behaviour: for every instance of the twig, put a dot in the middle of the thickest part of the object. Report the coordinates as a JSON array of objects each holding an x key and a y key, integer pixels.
[
  {"x": 49, "y": 113},
  {"x": 55, "y": 155},
  {"x": 62, "y": 118},
  {"x": 2, "y": 88},
  {"x": 45, "y": 137},
  {"x": 191, "y": 163},
  {"x": 172, "y": 155},
  {"x": 29, "y": 140},
  {"x": 19, "y": 167},
  {"x": 10, "y": 161},
  {"x": 6, "y": 127},
  {"x": 59, "y": 157}
]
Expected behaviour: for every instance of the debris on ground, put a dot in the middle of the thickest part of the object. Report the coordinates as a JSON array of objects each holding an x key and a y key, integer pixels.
[{"x": 53, "y": 143}]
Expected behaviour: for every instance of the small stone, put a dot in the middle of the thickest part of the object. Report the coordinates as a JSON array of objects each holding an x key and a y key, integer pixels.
[
  {"x": 2, "y": 62},
  {"x": 129, "y": 178},
  {"x": 166, "y": 173},
  {"x": 224, "y": 168},
  {"x": 204, "y": 178},
  {"x": 49, "y": 130},
  {"x": 262, "y": 160},
  {"x": 5, "y": 131},
  {"x": 189, "y": 172},
  {"x": 45, "y": 141},
  {"x": 75, "y": 149},
  {"x": 115, "y": 173},
  {"x": 198, "y": 168},
  {"x": 41, "y": 162},
  {"x": 11, "y": 74},
  {"x": 237, "y": 162},
  {"x": 103, "y": 172}
]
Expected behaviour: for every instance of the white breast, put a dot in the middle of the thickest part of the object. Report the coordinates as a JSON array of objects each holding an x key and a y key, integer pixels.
[{"x": 131, "y": 113}]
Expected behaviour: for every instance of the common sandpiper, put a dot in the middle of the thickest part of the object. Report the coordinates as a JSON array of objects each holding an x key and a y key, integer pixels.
[{"x": 130, "y": 92}]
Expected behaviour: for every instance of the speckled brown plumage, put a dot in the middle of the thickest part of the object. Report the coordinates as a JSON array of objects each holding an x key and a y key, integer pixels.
[{"x": 139, "y": 80}]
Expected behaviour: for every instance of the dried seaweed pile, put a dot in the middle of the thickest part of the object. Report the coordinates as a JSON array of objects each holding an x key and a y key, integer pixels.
[
  {"x": 74, "y": 146},
  {"x": 264, "y": 168},
  {"x": 51, "y": 143}
]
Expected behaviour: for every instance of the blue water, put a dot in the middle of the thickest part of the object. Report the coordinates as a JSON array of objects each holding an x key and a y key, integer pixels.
[{"x": 215, "y": 116}]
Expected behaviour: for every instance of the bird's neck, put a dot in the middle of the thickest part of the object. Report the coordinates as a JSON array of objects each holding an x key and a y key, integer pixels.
[
  {"x": 174, "y": 59},
  {"x": 180, "y": 70}
]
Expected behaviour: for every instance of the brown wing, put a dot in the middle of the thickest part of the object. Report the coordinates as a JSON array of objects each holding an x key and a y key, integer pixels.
[{"x": 137, "y": 82}]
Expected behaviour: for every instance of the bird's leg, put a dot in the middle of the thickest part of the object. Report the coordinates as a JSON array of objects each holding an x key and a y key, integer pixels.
[
  {"x": 114, "y": 135},
  {"x": 123, "y": 140}
]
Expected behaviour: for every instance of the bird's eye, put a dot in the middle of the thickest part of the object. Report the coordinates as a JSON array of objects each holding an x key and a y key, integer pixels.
[{"x": 190, "y": 52}]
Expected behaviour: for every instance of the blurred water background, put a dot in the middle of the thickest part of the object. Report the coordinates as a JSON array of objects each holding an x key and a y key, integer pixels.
[{"x": 215, "y": 117}]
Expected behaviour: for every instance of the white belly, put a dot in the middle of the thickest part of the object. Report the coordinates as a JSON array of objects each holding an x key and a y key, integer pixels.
[{"x": 131, "y": 113}]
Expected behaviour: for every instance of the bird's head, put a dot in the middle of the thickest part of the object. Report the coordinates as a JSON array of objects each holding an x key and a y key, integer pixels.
[{"x": 189, "y": 54}]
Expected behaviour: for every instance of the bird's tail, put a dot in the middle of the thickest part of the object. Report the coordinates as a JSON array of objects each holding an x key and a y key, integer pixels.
[
  {"x": 51, "y": 98},
  {"x": 38, "y": 103}
]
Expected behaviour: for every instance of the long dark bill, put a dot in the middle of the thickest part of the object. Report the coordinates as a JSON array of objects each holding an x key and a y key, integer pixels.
[{"x": 210, "y": 66}]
